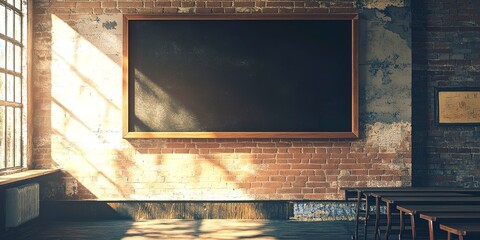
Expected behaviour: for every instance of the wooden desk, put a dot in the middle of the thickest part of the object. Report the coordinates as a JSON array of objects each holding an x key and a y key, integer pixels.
[
  {"x": 462, "y": 230},
  {"x": 363, "y": 194},
  {"x": 379, "y": 195},
  {"x": 414, "y": 210},
  {"x": 391, "y": 203},
  {"x": 433, "y": 200},
  {"x": 352, "y": 192},
  {"x": 435, "y": 218}
]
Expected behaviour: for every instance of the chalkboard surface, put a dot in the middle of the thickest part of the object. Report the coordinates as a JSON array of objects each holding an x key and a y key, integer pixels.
[{"x": 240, "y": 76}]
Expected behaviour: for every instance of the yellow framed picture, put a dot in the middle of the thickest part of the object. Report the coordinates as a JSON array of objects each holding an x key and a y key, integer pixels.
[{"x": 457, "y": 106}]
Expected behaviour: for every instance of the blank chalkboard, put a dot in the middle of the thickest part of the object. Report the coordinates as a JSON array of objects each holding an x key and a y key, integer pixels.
[{"x": 224, "y": 76}]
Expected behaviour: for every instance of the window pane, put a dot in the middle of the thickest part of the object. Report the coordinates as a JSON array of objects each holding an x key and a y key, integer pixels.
[
  {"x": 18, "y": 59},
  {"x": 10, "y": 2},
  {"x": 2, "y": 16},
  {"x": 10, "y": 88},
  {"x": 2, "y": 53},
  {"x": 18, "y": 4},
  {"x": 18, "y": 137},
  {"x": 10, "y": 23},
  {"x": 18, "y": 27},
  {"x": 18, "y": 90},
  {"x": 2, "y": 88},
  {"x": 9, "y": 138},
  {"x": 2, "y": 137},
  {"x": 10, "y": 56}
]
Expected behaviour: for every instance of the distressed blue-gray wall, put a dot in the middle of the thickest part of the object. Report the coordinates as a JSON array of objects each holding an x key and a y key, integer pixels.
[{"x": 385, "y": 62}]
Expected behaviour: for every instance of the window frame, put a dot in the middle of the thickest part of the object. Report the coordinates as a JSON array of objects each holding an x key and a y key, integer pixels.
[{"x": 16, "y": 71}]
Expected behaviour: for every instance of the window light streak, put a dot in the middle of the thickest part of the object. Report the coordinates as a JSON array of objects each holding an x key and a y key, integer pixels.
[{"x": 86, "y": 141}]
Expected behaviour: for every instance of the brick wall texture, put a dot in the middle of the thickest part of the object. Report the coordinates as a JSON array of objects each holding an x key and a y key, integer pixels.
[
  {"x": 77, "y": 91},
  {"x": 446, "y": 53}
]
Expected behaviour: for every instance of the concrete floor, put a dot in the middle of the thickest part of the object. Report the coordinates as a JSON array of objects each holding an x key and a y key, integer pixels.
[{"x": 186, "y": 229}]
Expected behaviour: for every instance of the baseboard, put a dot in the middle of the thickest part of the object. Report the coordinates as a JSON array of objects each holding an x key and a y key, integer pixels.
[{"x": 139, "y": 210}]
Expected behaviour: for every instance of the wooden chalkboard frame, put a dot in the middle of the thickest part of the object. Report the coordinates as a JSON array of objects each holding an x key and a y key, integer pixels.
[{"x": 354, "y": 133}]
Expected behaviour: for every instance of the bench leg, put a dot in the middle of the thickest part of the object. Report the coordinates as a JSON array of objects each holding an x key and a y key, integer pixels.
[
  {"x": 431, "y": 232},
  {"x": 377, "y": 217},
  {"x": 367, "y": 214},
  {"x": 412, "y": 223},
  {"x": 357, "y": 215},
  {"x": 389, "y": 222},
  {"x": 402, "y": 226}
]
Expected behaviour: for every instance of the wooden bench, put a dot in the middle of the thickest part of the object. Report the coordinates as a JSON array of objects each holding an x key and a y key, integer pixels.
[
  {"x": 362, "y": 195},
  {"x": 392, "y": 202},
  {"x": 378, "y": 195},
  {"x": 415, "y": 210},
  {"x": 435, "y": 218},
  {"x": 464, "y": 231}
]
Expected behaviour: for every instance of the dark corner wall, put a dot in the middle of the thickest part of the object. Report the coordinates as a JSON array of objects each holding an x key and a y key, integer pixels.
[{"x": 446, "y": 53}]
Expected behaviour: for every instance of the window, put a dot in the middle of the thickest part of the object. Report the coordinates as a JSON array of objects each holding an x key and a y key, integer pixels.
[{"x": 12, "y": 84}]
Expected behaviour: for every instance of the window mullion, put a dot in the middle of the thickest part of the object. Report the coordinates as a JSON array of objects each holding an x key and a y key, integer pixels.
[
  {"x": 10, "y": 6},
  {"x": 14, "y": 136},
  {"x": 12, "y": 40},
  {"x": 4, "y": 126}
]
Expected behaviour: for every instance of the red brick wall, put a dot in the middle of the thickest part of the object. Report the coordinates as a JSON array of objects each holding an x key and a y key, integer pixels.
[
  {"x": 76, "y": 60},
  {"x": 206, "y": 7},
  {"x": 446, "y": 51}
]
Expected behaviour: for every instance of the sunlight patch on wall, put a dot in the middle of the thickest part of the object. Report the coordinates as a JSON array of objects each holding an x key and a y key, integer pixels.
[
  {"x": 86, "y": 138},
  {"x": 192, "y": 176},
  {"x": 86, "y": 99},
  {"x": 159, "y": 176}
]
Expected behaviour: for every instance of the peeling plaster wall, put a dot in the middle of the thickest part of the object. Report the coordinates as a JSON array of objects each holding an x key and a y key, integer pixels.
[
  {"x": 383, "y": 4},
  {"x": 385, "y": 65},
  {"x": 77, "y": 118}
]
